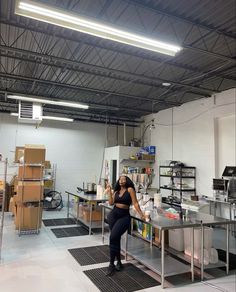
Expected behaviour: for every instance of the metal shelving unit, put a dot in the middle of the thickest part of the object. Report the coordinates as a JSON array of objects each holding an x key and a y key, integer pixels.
[
  {"x": 52, "y": 178},
  {"x": 180, "y": 173},
  {"x": 160, "y": 260},
  {"x": 151, "y": 257},
  {"x": 26, "y": 204},
  {"x": 197, "y": 264}
]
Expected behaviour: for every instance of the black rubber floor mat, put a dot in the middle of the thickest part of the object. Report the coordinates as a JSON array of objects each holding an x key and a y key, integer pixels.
[
  {"x": 59, "y": 221},
  {"x": 91, "y": 255},
  {"x": 129, "y": 279},
  {"x": 232, "y": 259},
  {"x": 69, "y": 231}
]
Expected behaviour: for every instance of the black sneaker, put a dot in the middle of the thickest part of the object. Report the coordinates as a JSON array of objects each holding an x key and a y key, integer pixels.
[
  {"x": 110, "y": 270},
  {"x": 119, "y": 266}
]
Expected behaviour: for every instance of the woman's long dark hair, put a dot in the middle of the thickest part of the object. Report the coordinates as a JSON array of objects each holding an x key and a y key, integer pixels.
[{"x": 128, "y": 184}]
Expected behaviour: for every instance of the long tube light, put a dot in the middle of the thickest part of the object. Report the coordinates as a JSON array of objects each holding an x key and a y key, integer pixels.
[
  {"x": 57, "y": 119},
  {"x": 47, "y": 101},
  {"x": 49, "y": 118},
  {"x": 72, "y": 21}
]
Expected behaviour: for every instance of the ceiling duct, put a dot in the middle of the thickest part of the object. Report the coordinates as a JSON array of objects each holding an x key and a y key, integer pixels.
[{"x": 30, "y": 113}]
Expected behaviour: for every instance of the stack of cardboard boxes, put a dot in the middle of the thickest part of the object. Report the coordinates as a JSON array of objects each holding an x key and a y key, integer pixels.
[{"x": 26, "y": 205}]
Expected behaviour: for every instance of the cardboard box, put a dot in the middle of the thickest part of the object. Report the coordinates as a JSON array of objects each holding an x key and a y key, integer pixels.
[
  {"x": 157, "y": 234},
  {"x": 47, "y": 164},
  {"x": 19, "y": 152},
  {"x": 34, "y": 153},
  {"x": 29, "y": 217},
  {"x": 15, "y": 184},
  {"x": 11, "y": 205},
  {"x": 48, "y": 184},
  {"x": 96, "y": 214},
  {"x": 14, "y": 206},
  {"x": 1, "y": 185},
  {"x": 30, "y": 172},
  {"x": 148, "y": 157},
  {"x": 29, "y": 191}
]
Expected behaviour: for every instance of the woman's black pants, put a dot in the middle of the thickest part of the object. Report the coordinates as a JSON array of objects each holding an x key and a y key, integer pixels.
[{"x": 119, "y": 222}]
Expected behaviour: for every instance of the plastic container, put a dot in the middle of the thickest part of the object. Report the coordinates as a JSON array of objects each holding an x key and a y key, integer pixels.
[
  {"x": 208, "y": 232},
  {"x": 157, "y": 200},
  {"x": 176, "y": 239}
]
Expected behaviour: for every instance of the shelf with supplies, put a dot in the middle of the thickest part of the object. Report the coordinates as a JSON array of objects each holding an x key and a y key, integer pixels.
[
  {"x": 137, "y": 161},
  {"x": 175, "y": 176},
  {"x": 182, "y": 179},
  {"x": 176, "y": 189},
  {"x": 49, "y": 177}
]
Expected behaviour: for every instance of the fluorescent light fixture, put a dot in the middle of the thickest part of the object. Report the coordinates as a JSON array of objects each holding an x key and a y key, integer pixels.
[
  {"x": 47, "y": 101},
  {"x": 166, "y": 84},
  {"x": 57, "y": 118},
  {"x": 72, "y": 21},
  {"x": 49, "y": 118}
]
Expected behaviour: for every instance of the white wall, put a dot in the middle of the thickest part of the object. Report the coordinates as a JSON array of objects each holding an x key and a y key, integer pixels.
[
  {"x": 194, "y": 135},
  {"x": 118, "y": 153},
  {"x": 76, "y": 148},
  {"x": 225, "y": 142}
]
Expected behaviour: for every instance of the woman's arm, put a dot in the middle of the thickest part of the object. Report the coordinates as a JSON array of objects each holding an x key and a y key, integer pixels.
[
  {"x": 135, "y": 203},
  {"x": 110, "y": 193}
]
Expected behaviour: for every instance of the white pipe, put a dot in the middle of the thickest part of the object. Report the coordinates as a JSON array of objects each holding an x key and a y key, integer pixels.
[{"x": 124, "y": 134}]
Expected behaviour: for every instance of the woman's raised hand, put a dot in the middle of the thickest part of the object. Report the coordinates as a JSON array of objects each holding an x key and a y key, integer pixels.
[{"x": 108, "y": 189}]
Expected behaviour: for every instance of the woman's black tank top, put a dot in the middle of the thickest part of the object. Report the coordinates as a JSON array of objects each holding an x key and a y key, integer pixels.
[{"x": 125, "y": 199}]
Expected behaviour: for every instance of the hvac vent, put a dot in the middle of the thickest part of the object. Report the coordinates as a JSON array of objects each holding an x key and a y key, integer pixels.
[{"x": 30, "y": 113}]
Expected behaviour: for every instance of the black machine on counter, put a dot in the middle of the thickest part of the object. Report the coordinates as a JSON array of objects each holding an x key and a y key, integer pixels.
[{"x": 225, "y": 188}]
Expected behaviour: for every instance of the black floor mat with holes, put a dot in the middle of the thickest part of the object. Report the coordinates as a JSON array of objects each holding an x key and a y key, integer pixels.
[
  {"x": 69, "y": 231},
  {"x": 232, "y": 259},
  {"x": 91, "y": 255},
  {"x": 129, "y": 279},
  {"x": 59, "y": 222}
]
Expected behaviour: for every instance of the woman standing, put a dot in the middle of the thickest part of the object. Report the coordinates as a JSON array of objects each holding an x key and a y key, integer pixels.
[{"x": 119, "y": 218}]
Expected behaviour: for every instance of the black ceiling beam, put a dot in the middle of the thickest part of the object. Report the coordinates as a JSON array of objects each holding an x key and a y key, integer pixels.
[
  {"x": 85, "y": 113},
  {"x": 96, "y": 105},
  {"x": 125, "y": 50},
  {"x": 12, "y": 107},
  {"x": 73, "y": 65},
  {"x": 176, "y": 16},
  {"x": 52, "y": 83},
  {"x": 91, "y": 119},
  {"x": 100, "y": 71},
  {"x": 83, "y": 89}
]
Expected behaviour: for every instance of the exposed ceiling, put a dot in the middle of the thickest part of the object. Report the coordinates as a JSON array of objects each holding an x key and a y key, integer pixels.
[{"x": 120, "y": 83}]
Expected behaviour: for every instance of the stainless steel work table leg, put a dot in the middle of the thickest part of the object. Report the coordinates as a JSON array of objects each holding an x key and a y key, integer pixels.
[
  {"x": 68, "y": 205},
  {"x": 90, "y": 217},
  {"x": 192, "y": 253},
  {"x": 202, "y": 252},
  {"x": 103, "y": 225},
  {"x": 162, "y": 258},
  {"x": 227, "y": 249},
  {"x": 126, "y": 245}
]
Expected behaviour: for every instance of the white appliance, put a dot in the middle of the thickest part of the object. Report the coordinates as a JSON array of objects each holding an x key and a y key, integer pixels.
[{"x": 30, "y": 113}]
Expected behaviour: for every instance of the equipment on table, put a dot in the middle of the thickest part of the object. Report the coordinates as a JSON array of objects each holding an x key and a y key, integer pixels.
[{"x": 225, "y": 188}]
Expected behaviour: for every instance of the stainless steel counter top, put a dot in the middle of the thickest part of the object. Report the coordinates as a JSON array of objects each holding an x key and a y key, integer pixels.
[
  {"x": 221, "y": 201},
  {"x": 194, "y": 219},
  {"x": 89, "y": 197}
]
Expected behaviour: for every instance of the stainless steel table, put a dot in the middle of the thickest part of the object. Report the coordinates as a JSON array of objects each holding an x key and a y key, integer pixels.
[
  {"x": 90, "y": 199},
  {"x": 158, "y": 261},
  {"x": 232, "y": 210}
]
